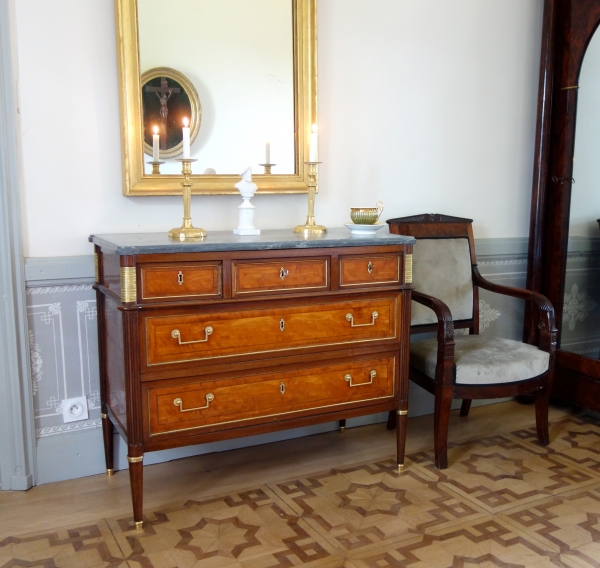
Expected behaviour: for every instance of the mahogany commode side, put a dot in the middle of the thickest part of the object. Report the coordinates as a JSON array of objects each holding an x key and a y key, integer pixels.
[{"x": 236, "y": 336}]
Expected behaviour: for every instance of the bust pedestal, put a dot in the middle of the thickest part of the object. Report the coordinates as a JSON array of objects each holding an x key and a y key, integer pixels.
[{"x": 246, "y": 219}]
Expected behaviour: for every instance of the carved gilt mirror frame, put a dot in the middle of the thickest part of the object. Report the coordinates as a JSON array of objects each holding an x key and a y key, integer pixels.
[{"x": 138, "y": 183}]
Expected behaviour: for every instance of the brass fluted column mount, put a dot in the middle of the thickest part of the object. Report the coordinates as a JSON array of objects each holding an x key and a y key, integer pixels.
[
  {"x": 155, "y": 167},
  {"x": 187, "y": 230},
  {"x": 267, "y": 168},
  {"x": 310, "y": 228}
]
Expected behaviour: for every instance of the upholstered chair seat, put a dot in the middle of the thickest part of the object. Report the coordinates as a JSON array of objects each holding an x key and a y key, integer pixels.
[
  {"x": 446, "y": 300},
  {"x": 483, "y": 360}
]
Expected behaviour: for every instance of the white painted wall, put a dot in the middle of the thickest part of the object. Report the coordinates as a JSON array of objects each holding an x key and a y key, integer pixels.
[
  {"x": 585, "y": 196},
  {"x": 428, "y": 105}
]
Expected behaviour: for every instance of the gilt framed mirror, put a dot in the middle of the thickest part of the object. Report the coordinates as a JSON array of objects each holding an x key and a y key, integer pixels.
[{"x": 251, "y": 64}]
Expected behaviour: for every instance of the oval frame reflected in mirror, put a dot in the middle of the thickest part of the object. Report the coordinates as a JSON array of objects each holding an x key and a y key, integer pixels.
[{"x": 168, "y": 97}]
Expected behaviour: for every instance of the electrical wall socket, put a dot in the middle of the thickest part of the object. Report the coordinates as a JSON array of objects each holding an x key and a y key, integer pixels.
[{"x": 74, "y": 409}]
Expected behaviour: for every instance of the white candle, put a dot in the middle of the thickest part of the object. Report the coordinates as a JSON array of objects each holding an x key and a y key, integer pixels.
[
  {"x": 313, "y": 150},
  {"x": 186, "y": 139},
  {"x": 268, "y": 153},
  {"x": 155, "y": 145}
]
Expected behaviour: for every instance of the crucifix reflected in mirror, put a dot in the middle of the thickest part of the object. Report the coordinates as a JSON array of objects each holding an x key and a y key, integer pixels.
[{"x": 163, "y": 93}]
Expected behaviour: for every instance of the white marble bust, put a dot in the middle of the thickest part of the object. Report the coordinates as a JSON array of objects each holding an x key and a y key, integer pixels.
[
  {"x": 246, "y": 210},
  {"x": 246, "y": 186}
]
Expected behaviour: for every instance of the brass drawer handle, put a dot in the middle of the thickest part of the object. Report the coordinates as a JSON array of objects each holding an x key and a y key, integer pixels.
[
  {"x": 175, "y": 334},
  {"x": 370, "y": 267},
  {"x": 348, "y": 379},
  {"x": 180, "y": 278},
  {"x": 209, "y": 398},
  {"x": 350, "y": 318},
  {"x": 283, "y": 273}
]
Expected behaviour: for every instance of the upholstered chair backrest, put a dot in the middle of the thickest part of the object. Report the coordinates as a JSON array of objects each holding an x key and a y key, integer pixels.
[
  {"x": 443, "y": 256},
  {"x": 442, "y": 268}
]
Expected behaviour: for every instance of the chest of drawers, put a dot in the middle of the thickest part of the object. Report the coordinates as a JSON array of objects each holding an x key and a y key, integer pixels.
[{"x": 236, "y": 336}]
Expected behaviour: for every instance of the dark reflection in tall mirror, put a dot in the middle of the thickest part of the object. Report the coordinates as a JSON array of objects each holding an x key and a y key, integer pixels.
[{"x": 581, "y": 308}]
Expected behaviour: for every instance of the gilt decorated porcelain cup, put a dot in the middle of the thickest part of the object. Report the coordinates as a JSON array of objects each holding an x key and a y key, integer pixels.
[{"x": 366, "y": 215}]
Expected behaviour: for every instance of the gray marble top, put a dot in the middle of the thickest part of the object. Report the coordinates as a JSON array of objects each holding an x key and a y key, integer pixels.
[{"x": 219, "y": 241}]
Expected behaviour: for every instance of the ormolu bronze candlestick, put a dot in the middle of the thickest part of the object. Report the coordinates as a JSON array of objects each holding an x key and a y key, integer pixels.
[
  {"x": 187, "y": 230},
  {"x": 310, "y": 228}
]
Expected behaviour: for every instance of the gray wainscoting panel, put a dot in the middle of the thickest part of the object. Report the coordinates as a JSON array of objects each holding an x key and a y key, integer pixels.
[
  {"x": 63, "y": 346},
  {"x": 581, "y": 311},
  {"x": 64, "y": 358}
]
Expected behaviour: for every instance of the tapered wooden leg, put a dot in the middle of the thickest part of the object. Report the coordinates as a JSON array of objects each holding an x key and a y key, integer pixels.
[
  {"x": 391, "y": 423},
  {"x": 401, "y": 427},
  {"x": 136, "y": 479},
  {"x": 542, "y": 401},
  {"x": 465, "y": 407},
  {"x": 108, "y": 434},
  {"x": 342, "y": 425},
  {"x": 443, "y": 400}
]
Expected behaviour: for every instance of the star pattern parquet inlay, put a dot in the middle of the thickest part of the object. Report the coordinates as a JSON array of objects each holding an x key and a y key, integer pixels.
[{"x": 503, "y": 502}]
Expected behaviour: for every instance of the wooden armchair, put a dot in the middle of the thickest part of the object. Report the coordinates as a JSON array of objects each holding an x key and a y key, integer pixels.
[{"x": 446, "y": 298}]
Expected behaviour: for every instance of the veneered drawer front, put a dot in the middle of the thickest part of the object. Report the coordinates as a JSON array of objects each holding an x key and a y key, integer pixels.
[
  {"x": 264, "y": 396},
  {"x": 184, "y": 281},
  {"x": 279, "y": 276},
  {"x": 186, "y": 338},
  {"x": 369, "y": 270}
]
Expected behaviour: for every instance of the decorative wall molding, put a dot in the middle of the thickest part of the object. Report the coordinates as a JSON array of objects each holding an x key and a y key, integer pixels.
[
  {"x": 69, "y": 427},
  {"x": 503, "y": 246},
  {"x": 60, "y": 269},
  {"x": 17, "y": 451},
  {"x": 512, "y": 262},
  {"x": 57, "y": 289}
]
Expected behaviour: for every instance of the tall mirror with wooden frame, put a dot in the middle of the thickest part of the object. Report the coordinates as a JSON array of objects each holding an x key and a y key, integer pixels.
[
  {"x": 243, "y": 70},
  {"x": 564, "y": 247}
]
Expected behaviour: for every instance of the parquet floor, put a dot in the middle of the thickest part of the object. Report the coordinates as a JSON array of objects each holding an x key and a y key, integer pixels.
[{"x": 504, "y": 501}]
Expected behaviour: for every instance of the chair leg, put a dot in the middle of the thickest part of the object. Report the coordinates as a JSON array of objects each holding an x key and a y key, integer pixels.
[
  {"x": 391, "y": 423},
  {"x": 542, "y": 400},
  {"x": 465, "y": 407},
  {"x": 443, "y": 401}
]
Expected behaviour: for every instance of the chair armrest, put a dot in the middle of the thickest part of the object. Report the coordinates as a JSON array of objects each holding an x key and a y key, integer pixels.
[
  {"x": 444, "y": 368},
  {"x": 547, "y": 326},
  {"x": 442, "y": 312}
]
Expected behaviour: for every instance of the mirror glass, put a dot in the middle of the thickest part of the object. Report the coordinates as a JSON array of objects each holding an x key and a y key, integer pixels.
[
  {"x": 239, "y": 56},
  {"x": 580, "y": 328}
]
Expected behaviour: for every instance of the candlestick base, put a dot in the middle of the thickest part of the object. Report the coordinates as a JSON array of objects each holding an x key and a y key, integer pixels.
[
  {"x": 267, "y": 167},
  {"x": 310, "y": 228},
  {"x": 187, "y": 233}
]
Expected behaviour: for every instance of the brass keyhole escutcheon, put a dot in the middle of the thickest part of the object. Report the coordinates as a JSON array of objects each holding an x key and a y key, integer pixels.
[
  {"x": 281, "y": 325},
  {"x": 283, "y": 273},
  {"x": 180, "y": 278},
  {"x": 282, "y": 388},
  {"x": 370, "y": 267}
]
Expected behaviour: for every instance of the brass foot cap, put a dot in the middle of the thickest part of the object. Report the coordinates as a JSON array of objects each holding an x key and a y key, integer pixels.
[
  {"x": 110, "y": 472},
  {"x": 138, "y": 525},
  {"x": 342, "y": 429},
  {"x": 400, "y": 467}
]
